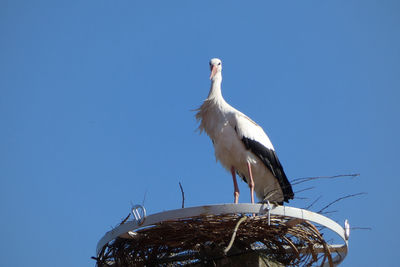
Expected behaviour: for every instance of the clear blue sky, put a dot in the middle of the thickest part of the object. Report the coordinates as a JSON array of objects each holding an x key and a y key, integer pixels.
[{"x": 96, "y": 100}]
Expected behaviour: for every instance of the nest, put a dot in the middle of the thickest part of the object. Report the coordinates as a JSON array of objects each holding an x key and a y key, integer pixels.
[{"x": 206, "y": 239}]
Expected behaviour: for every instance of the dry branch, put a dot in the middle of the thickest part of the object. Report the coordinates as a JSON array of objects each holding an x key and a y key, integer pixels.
[
  {"x": 341, "y": 198},
  {"x": 307, "y": 179}
]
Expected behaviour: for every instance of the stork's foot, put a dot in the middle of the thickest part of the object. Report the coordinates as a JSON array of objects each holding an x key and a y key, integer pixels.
[
  {"x": 236, "y": 197},
  {"x": 275, "y": 203},
  {"x": 235, "y": 186}
]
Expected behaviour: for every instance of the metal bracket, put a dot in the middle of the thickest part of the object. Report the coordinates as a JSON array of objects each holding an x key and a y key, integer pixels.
[
  {"x": 269, "y": 212},
  {"x": 346, "y": 229},
  {"x": 139, "y": 213}
]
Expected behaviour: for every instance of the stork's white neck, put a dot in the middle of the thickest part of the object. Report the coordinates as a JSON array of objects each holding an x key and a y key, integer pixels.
[{"x": 215, "y": 90}]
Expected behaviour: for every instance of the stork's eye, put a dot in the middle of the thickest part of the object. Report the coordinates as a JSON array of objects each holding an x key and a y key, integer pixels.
[{"x": 219, "y": 63}]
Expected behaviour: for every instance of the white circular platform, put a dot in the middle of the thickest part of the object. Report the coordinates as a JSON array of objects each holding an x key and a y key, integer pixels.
[{"x": 296, "y": 216}]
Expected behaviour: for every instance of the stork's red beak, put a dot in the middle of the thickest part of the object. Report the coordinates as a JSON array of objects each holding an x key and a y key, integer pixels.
[{"x": 213, "y": 71}]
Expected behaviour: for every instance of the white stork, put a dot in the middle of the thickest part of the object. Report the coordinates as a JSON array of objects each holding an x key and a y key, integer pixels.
[{"x": 241, "y": 145}]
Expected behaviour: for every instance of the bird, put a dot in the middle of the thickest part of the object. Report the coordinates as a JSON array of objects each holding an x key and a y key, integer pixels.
[{"x": 241, "y": 145}]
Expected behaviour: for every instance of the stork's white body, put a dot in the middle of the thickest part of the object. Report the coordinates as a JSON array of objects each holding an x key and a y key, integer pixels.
[{"x": 227, "y": 128}]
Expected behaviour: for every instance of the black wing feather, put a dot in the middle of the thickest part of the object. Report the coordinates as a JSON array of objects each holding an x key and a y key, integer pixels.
[{"x": 271, "y": 161}]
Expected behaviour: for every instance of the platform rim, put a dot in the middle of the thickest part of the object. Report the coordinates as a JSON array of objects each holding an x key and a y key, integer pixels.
[{"x": 223, "y": 209}]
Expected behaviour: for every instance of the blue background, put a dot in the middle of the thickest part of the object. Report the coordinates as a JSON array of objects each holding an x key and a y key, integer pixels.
[{"x": 96, "y": 101}]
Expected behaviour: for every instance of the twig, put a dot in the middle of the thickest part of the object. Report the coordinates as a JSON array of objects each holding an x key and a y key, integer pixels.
[
  {"x": 126, "y": 218},
  {"x": 329, "y": 212},
  {"x": 301, "y": 198},
  {"x": 361, "y": 228},
  {"x": 341, "y": 198},
  {"x": 183, "y": 195},
  {"x": 315, "y": 201},
  {"x": 305, "y": 189},
  {"x": 226, "y": 250},
  {"x": 144, "y": 197},
  {"x": 307, "y": 179}
]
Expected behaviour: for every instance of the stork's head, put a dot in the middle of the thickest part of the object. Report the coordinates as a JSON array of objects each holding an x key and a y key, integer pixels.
[{"x": 215, "y": 67}]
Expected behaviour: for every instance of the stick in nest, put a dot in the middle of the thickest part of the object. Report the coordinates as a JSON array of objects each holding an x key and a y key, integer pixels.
[
  {"x": 226, "y": 250},
  {"x": 183, "y": 195}
]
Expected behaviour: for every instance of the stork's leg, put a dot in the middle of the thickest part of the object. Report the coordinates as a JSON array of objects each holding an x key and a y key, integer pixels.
[
  {"x": 251, "y": 183},
  {"x": 235, "y": 185}
]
